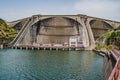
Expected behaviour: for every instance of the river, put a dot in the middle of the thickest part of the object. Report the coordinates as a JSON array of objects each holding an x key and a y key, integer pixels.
[{"x": 16, "y": 64}]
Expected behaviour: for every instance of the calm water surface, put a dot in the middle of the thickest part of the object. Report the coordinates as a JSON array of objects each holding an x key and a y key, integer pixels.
[{"x": 50, "y": 65}]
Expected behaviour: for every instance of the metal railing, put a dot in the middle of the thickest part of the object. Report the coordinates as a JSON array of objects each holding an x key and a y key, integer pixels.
[{"x": 116, "y": 70}]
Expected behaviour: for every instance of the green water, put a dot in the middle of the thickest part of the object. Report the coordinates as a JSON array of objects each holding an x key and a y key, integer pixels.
[{"x": 50, "y": 65}]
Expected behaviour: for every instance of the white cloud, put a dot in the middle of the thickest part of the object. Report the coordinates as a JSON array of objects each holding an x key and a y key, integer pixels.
[{"x": 109, "y": 9}]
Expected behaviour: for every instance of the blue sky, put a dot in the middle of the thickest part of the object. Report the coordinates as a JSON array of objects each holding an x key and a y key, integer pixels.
[{"x": 16, "y": 9}]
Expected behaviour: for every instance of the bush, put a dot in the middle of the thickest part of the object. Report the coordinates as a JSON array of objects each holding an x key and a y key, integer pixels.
[
  {"x": 98, "y": 47},
  {"x": 116, "y": 47},
  {"x": 109, "y": 47}
]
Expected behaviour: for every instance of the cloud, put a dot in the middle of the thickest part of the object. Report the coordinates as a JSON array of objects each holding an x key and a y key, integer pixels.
[{"x": 109, "y": 9}]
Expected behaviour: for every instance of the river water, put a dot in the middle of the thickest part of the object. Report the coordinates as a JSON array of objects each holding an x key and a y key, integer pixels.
[{"x": 50, "y": 65}]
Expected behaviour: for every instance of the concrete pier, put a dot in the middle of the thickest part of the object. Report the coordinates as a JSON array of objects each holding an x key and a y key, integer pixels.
[
  {"x": 15, "y": 47},
  {"x": 56, "y": 49},
  {"x": 26, "y": 48},
  {"x": 20, "y": 47},
  {"x": 69, "y": 49},
  {"x": 12, "y": 47},
  {"x": 1, "y": 46},
  {"x": 32, "y": 48},
  {"x": 38, "y": 48},
  {"x": 44, "y": 49}
]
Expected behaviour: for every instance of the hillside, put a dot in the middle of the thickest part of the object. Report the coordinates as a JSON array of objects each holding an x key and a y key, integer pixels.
[
  {"x": 7, "y": 33},
  {"x": 110, "y": 39}
]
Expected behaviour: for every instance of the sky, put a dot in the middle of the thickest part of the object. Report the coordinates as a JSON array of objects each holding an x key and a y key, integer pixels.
[{"x": 11, "y": 10}]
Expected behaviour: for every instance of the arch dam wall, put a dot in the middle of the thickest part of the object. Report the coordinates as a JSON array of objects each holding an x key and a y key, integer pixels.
[{"x": 59, "y": 29}]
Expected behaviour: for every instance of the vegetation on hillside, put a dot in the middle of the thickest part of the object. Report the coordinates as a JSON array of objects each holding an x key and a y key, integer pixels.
[
  {"x": 110, "y": 39},
  {"x": 7, "y": 33}
]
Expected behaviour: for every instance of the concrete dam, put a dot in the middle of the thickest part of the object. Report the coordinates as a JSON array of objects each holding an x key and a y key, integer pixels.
[{"x": 61, "y": 31}]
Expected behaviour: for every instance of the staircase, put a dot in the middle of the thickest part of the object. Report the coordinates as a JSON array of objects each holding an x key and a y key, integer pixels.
[{"x": 23, "y": 31}]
